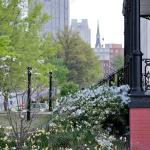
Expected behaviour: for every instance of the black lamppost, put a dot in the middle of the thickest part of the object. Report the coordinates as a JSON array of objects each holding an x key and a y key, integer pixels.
[
  {"x": 29, "y": 93},
  {"x": 50, "y": 91}
]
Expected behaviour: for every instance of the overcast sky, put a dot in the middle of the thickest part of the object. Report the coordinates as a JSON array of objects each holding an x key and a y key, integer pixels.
[{"x": 109, "y": 14}]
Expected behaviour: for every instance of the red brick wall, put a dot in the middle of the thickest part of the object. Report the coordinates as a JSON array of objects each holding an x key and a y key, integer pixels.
[
  {"x": 113, "y": 45},
  {"x": 140, "y": 128},
  {"x": 116, "y": 52}
]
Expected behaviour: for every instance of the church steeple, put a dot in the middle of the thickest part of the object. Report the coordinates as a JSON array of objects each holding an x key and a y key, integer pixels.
[{"x": 98, "y": 42}]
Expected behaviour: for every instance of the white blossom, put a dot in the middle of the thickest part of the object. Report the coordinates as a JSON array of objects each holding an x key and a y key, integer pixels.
[
  {"x": 14, "y": 59},
  {"x": 41, "y": 61}
]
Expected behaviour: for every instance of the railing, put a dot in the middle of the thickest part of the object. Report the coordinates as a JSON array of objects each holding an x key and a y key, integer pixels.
[
  {"x": 121, "y": 76},
  {"x": 117, "y": 78},
  {"x": 146, "y": 74}
]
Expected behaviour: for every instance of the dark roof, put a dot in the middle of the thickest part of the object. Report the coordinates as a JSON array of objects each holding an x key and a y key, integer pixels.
[{"x": 144, "y": 7}]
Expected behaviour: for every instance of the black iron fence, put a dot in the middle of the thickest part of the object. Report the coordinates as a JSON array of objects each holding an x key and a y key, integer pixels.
[
  {"x": 118, "y": 78},
  {"x": 29, "y": 73},
  {"x": 146, "y": 74},
  {"x": 121, "y": 76}
]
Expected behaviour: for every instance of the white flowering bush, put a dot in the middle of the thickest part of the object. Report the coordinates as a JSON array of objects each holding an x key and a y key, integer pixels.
[
  {"x": 6, "y": 142},
  {"x": 91, "y": 117},
  {"x": 38, "y": 140}
]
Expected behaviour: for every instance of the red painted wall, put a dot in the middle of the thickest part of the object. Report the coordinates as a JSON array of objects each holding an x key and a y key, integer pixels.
[{"x": 140, "y": 128}]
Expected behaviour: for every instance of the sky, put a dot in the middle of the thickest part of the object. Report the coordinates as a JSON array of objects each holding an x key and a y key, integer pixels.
[{"x": 107, "y": 12}]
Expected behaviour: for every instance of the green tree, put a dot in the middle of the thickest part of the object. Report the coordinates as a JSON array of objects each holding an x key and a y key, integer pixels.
[
  {"x": 118, "y": 62},
  {"x": 69, "y": 88},
  {"x": 79, "y": 58},
  {"x": 21, "y": 45}
]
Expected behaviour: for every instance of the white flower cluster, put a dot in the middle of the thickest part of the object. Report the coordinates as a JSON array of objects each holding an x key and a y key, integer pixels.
[
  {"x": 105, "y": 141},
  {"x": 91, "y": 96},
  {"x": 88, "y": 108},
  {"x": 41, "y": 61},
  {"x": 7, "y": 57}
]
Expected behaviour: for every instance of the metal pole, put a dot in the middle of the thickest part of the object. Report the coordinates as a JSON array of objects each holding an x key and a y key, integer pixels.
[
  {"x": 50, "y": 91},
  {"x": 29, "y": 93}
]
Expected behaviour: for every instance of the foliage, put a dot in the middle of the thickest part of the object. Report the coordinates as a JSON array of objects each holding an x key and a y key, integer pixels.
[
  {"x": 6, "y": 142},
  {"x": 79, "y": 58},
  {"x": 85, "y": 117},
  {"x": 38, "y": 139},
  {"x": 82, "y": 121},
  {"x": 21, "y": 45},
  {"x": 118, "y": 62},
  {"x": 69, "y": 88}
]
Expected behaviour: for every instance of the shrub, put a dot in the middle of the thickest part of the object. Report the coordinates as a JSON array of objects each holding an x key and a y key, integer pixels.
[
  {"x": 6, "y": 141},
  {"x": 69, "y": 88},
  {"x": 92, "y": 116}
]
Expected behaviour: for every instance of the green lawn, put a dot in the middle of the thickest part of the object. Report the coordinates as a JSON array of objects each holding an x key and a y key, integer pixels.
[{"x": 39, "y": 119}]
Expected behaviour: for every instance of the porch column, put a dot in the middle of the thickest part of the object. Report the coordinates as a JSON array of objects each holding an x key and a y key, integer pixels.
[
  {"x": 139, "y": 107},
  {"x": 127, "y": 41},
  {"x": 136, "y": 52}
]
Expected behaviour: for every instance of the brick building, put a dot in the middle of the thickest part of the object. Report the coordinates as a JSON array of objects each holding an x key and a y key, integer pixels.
[{"x": 115, "y": 50}]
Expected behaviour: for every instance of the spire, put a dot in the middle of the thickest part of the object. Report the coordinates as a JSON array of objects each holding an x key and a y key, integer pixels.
[{"x": 98, "y": 43}]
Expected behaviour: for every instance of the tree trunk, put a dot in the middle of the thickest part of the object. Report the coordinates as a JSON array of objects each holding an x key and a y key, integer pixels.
[{"x": 5, "y": 101}]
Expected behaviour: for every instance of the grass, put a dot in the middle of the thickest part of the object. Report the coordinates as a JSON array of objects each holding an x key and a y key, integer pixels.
[{"x": 39, "y": 120}]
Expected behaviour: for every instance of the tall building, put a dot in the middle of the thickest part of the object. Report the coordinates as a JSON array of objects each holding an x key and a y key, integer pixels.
[
  {"x": 82, "y": 28},
  {"x": 58, "y": 11}
]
